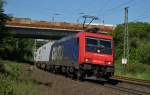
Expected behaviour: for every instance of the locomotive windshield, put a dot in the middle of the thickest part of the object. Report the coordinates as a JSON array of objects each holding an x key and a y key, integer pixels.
[{"x": 98, "y": 45}]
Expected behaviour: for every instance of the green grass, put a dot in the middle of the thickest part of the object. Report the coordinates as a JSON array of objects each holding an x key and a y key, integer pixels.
[
  {"x": 133, "y": 70},
  {"x": 9, "y": 82},
  {"x": 25, "y": 88}
]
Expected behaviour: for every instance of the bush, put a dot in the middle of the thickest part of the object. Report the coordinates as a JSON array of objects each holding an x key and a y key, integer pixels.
[
  {"x": 11, "y": 84},
  {"x": 139, "y": 50},
  {"x": 139, "y": 38},
  {"x": 6, "y": 85},
  {"x": 18, "y": 49},
  {"x": 134, "y": 70},
  {"x": 144, "y": 53}
]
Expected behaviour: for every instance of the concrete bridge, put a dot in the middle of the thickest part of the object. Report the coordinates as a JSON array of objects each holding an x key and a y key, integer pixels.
[{"x": 48, "y": 30}]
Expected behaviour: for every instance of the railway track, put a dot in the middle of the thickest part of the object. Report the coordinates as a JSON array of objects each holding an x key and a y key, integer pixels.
[
  {"x": 125, "y": 86},
  {"x": 121, "y": 88},
  {"x": 129, "y": 85},
  {"x": 132, "y": 81},
  {"x": 127, "y": 90}
]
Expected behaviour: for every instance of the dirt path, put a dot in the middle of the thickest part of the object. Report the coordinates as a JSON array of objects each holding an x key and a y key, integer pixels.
[{"x": 52, "y": 84}]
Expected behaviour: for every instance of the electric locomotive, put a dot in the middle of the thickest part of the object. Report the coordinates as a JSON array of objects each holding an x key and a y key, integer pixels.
[{"x": 83, "y": 55}]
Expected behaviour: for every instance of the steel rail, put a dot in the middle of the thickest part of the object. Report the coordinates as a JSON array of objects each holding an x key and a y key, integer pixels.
[
  {"x": 145, "y": 83},
  {"x": 127, "y": 90}
]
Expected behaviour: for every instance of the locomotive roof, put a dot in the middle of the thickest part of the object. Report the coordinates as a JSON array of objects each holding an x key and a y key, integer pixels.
[{"x": 86, "y": 34}]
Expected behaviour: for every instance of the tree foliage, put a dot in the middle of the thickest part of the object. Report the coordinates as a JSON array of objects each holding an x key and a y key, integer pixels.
[
  {"x": 19, "y": 49},
  {"x": 3, "y": 18},
  {"x": 11, "y": 48},
  {"x": 139, "y": 42}
]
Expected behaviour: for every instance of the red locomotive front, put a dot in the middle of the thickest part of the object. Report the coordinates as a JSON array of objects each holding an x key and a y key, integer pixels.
[{"x": 96, "y": 54}]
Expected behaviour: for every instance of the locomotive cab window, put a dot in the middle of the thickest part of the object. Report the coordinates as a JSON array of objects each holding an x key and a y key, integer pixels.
[
  {"x": 92, "y": 42},
  {"x": 98, "y": 45}
]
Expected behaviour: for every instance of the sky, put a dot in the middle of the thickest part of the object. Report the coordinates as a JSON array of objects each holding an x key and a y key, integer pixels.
[{"x": 109, "y": 11}]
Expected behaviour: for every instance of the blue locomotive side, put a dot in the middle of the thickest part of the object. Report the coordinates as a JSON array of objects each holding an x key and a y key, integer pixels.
[{"x": 65, "y": 51}]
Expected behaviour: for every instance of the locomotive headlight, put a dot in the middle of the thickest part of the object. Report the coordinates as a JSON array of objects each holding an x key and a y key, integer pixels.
[
  {"x": 87, "y": 60},
  {"x": 109, "y": 63}
]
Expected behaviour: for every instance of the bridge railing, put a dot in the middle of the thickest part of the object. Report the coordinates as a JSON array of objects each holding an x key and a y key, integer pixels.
[{"x": 57, "y": 25}]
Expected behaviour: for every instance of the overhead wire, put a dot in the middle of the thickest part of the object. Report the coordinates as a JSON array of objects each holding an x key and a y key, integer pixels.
[
  {"x": 140, "y": 18},
  {"x": 116, "y": 9},
  {"x": 107, "y": 3},
  {"x": 120, "y": 5},
  {"x": 105, "y": 6}
]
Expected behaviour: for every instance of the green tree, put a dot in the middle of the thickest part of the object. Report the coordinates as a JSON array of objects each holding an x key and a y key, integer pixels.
[
  {"x": 24, "y": 50},
  {"x": 139, "y": 38},
  {"x": 8, "y": 44},
  {"x": 3, "y": 19},
  {"x": 19, "y": 49},
  {"x": 3, "y": 30}
]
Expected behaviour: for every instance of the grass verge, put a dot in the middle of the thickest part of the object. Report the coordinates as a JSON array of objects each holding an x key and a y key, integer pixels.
[
  {"x": 133, "y": 70},
  {"x": 10, "y": 84}
]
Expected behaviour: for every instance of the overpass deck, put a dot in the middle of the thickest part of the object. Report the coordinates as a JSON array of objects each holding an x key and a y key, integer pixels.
[{"x": 43, "y": 29}]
